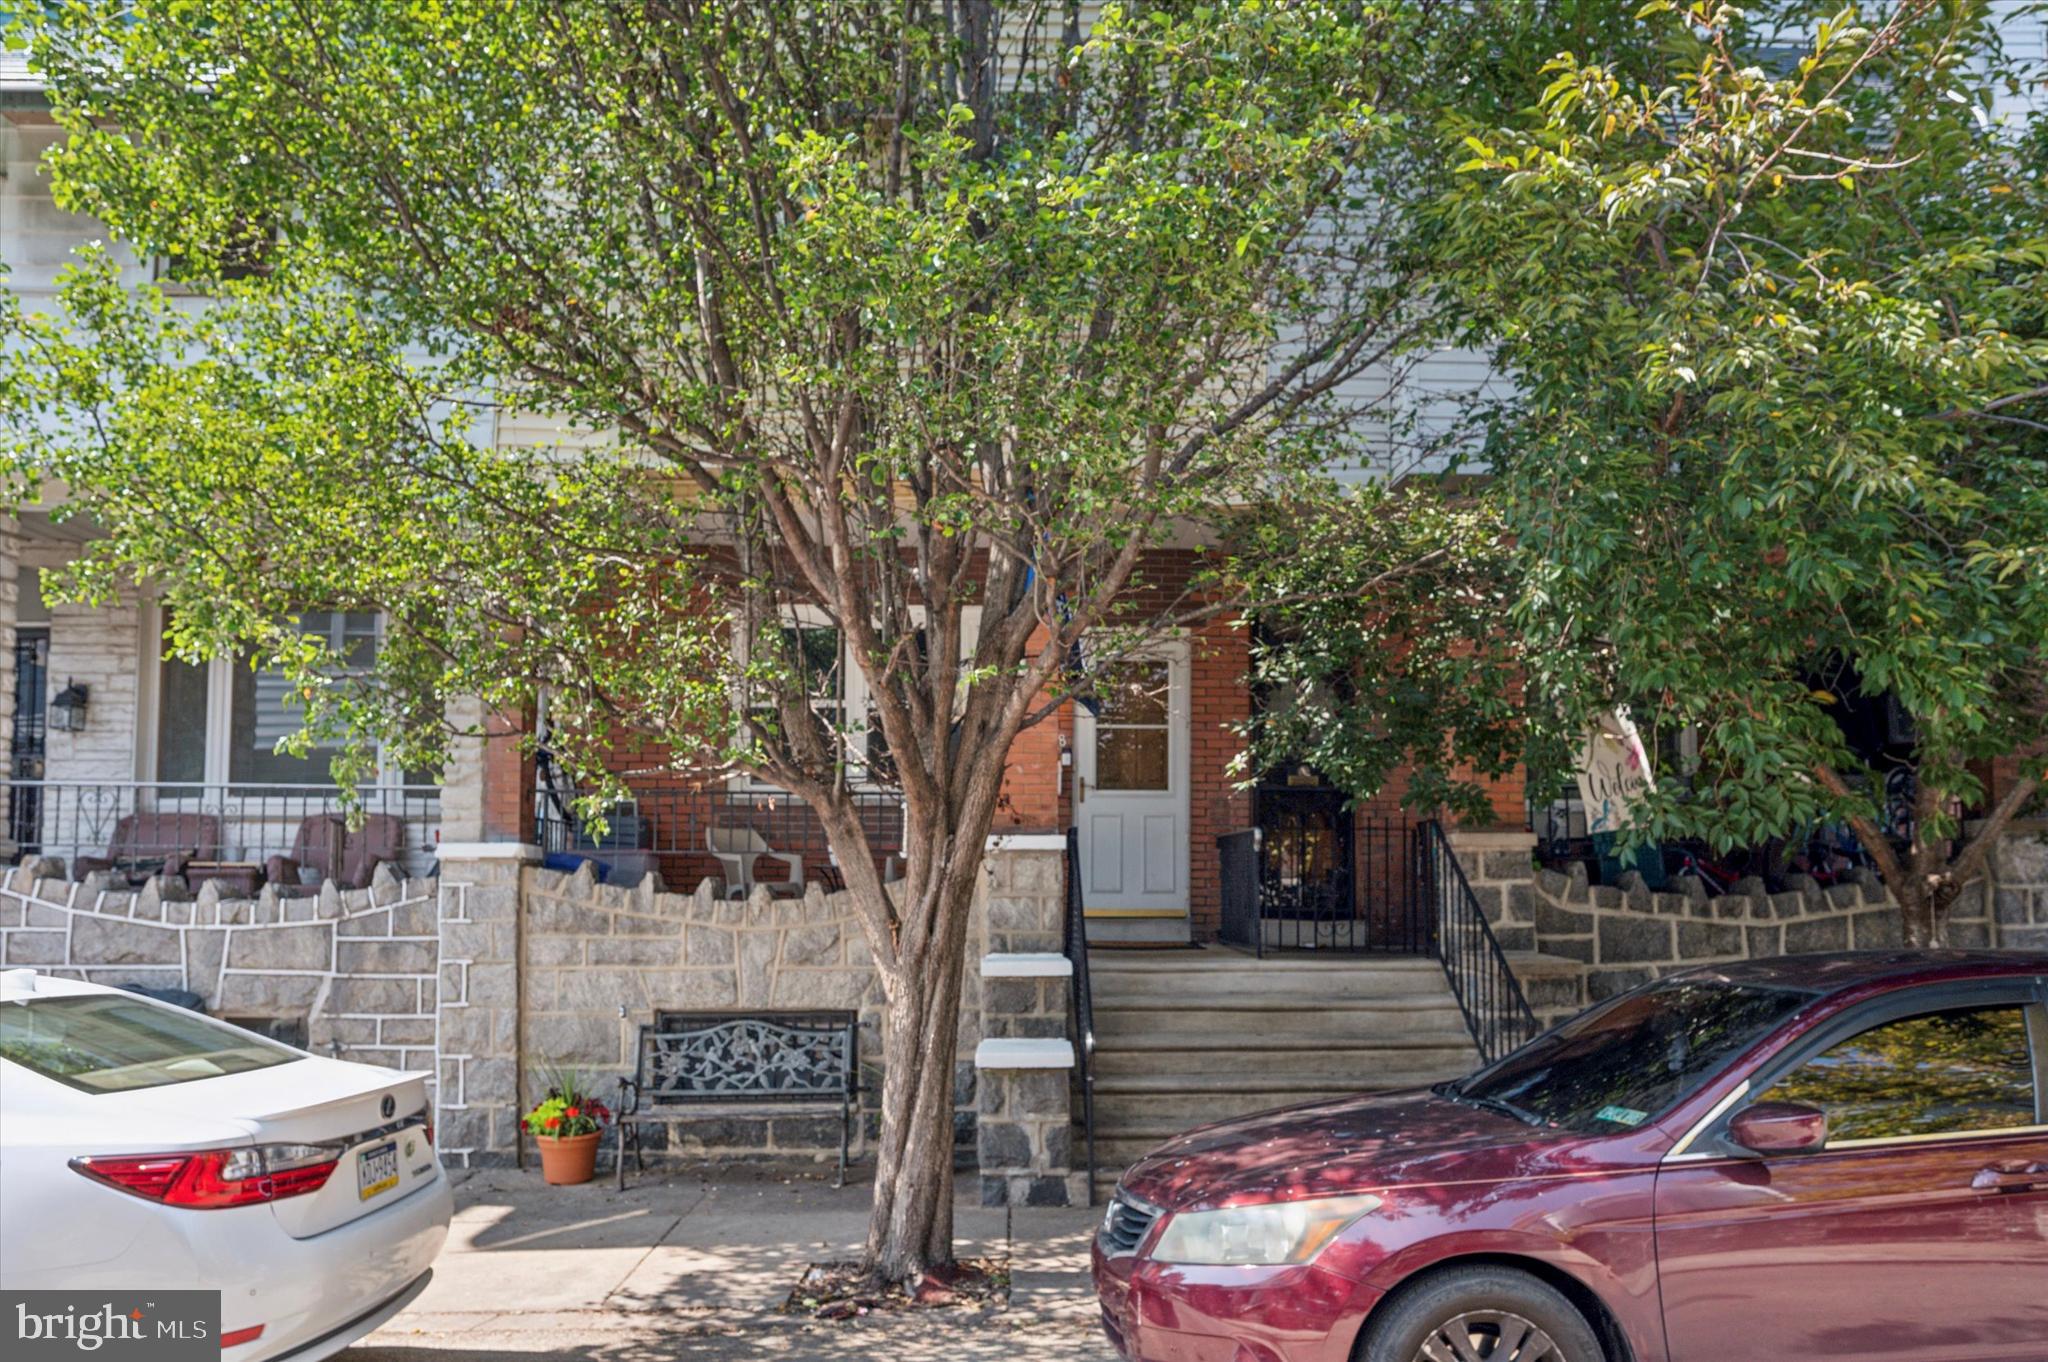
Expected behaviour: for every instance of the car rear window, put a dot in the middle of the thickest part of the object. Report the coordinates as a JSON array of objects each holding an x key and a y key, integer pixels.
[
  {"x": 103, "y": 1043},
  {"x": 1633, "y": 1058}
]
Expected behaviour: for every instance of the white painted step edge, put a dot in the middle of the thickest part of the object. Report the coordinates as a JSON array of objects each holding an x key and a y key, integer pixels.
[
  {"x": 1024, "y": 1054},
  {"x": 1026, "y": 965}
]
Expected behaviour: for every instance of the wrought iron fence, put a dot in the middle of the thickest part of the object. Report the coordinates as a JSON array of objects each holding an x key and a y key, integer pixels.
[
  {"x": 1345, "y": 884},
  {"x": 739, "y": 836},
  {"x": 1238, "y": 852},
  {"x": 1488, "y": 993},
  {"x": 138, "y": 828},
  {"x": 1074, "y": 934}
]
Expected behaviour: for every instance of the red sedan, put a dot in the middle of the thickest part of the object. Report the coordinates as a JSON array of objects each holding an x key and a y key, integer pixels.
[{"x": 1810, "y": 1157}]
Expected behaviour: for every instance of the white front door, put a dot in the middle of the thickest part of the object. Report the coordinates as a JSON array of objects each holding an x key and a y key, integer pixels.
[{"x": 1131, "y": 790}]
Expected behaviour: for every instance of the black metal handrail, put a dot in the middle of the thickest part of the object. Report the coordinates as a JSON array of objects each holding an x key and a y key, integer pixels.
[
  {"x": 1075, "y": 944},
  {"x": 1496, "y": 1010}
]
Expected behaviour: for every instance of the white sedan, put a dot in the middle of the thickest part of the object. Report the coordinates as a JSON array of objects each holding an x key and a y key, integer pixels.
[{"x": 145, "y": 1146}]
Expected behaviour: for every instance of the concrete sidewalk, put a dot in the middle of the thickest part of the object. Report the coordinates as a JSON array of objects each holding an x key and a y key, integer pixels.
[{"x": 696, "y": 1270}]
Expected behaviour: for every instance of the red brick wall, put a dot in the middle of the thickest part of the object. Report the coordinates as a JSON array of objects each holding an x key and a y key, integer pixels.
[
  {"x": 1218, "y": 702},
  {"x": 1037, "y": 793},
  {"x": 1034, "y": 796},
  {"x": 507, "y": 781}
]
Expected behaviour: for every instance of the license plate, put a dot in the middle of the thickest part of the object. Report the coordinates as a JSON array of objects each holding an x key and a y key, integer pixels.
[{"x": 376, "y": 1170}]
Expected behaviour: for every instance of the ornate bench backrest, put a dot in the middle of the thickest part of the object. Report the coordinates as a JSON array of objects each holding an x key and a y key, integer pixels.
[{"x": 723, "y": 1057}]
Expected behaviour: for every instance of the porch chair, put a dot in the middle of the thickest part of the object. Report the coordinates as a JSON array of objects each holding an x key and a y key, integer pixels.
[
  {"x": 148, "y": 844},
  {"x": 325, "y": 846},
  {"x": 737, "y": 848}
]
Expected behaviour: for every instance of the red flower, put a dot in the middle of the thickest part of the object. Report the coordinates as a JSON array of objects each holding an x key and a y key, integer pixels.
[
  {"x": 553, "y": 1121},
  {"x": 573, "y": 1112}
]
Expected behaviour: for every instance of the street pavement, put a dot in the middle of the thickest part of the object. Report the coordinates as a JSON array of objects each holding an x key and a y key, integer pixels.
[{"x": 696, "y": 1270}]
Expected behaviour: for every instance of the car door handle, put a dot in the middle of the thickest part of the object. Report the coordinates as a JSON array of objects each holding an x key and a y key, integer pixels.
[{"x": 2010, "y": 1177}]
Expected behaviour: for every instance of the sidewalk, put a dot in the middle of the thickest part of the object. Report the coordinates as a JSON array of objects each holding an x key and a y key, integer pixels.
[{"x": 696, "y": 1270}]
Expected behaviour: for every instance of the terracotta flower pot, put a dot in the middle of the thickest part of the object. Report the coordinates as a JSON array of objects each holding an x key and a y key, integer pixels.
[{"x": 565, "y": 1162}]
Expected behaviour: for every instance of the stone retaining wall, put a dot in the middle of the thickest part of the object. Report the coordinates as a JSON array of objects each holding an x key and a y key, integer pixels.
[
  {"x": 1573, "y": 943},
  {"x": 1619, "y": 937},
  {"x": 600, "y": 961},
  {"x": 597, "y": 962},
  {"x": 360, "y": 967},
  {"x": 2019, "y": 888},
  {"x": 500, "y": 966}
]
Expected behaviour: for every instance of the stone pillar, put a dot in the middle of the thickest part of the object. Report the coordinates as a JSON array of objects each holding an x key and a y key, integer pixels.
[
  {"x": 1024, "y": 1131},
  {"x": 1499, "y": 865},
  {"x": 1024, "y": 1065},
  {"x": 477, "y": 1032},
  {"x": 1025, "y": 887}
]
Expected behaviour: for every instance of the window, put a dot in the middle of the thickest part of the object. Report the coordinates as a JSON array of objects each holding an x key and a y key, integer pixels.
[
  {"x": 221, "y": 720},
  {"x": 813, "y": 652},
  {"x": 1941, "y": 1073},
  {"x": 263, "y": 711},
  {"x": 100, "y": 1043},
  {"x": 840, "y": 696},
  {"x": 1133, "y": 739},
  {"x": 249, "y": 253},
  {"x": 1633, "y": 1058}
]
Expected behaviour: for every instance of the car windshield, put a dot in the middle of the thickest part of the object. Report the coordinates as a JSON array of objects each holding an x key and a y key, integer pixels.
[
  {"x": 1633, "y": 1058},
  {"x": 106, "y": 1043}
]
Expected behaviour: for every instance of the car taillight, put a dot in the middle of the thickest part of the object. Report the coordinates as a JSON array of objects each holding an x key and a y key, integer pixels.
[
  {"x": 236, "y": 1337},
  {"x": 208, "y": 1179}
]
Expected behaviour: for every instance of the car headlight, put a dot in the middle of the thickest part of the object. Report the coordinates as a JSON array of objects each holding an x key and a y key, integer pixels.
[{"x": 1269, "y": 1235}]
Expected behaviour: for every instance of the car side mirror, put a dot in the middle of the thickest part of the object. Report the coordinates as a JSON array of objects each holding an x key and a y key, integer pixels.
[{"x": 1780, "y": 1128}]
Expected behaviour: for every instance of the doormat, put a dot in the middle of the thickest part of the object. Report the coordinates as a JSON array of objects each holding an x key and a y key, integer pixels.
[{"x": 1148, "y": 945}]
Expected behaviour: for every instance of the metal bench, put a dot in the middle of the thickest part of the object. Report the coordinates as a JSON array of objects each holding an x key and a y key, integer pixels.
[{"x": 686, "y": 1058}]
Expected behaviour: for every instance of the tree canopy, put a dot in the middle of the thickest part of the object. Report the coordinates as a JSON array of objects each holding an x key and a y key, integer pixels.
[{"x": 597, "y": 345}]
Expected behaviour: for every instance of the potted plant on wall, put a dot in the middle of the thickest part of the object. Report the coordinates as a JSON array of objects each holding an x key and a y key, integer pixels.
[{"x": 566, "y": 1125}]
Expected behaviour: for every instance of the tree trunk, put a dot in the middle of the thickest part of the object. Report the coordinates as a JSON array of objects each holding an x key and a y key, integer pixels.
[
  {"x": 910, "y": 1222},
  {"x": 1924, "y": 902}
]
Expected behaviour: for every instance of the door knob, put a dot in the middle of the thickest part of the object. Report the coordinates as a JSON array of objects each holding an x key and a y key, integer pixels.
[{"x": 1080, "y": 788}]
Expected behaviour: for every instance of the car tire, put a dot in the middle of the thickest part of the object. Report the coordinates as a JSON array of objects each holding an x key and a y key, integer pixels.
[{"x": 1502, "y": 1311}]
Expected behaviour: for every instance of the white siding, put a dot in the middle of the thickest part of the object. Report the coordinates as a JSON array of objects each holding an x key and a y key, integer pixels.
[
  {"x": 102, "y": 650},
  {"x": 36, "y": 236},
  {"x": 2026, "y": 41}
]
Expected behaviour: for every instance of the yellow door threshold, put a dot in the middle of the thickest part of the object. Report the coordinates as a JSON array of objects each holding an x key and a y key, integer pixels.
[{"x": 1134, "y": 912}]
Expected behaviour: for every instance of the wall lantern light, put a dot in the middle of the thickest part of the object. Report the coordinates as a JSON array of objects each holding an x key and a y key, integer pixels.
[{"x": 67, "y": 710}]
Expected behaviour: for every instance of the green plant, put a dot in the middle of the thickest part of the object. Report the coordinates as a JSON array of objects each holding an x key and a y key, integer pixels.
[{"x": 569, "y": 1109}]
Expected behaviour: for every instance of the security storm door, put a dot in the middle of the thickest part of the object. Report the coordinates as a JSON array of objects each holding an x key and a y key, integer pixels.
[{"x": 1131, "y": 789}]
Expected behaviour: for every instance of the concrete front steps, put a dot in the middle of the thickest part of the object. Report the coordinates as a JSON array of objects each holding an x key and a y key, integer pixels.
[{"x": 1188, "y": 1037}]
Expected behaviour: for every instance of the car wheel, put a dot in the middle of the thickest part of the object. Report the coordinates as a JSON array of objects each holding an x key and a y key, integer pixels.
[{"x": 1478, "y": 1314}]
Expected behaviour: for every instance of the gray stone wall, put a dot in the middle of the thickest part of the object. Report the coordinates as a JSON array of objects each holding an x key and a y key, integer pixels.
[
  {"x": 359, "y": 966},
  {"x": 2019, "y": 888},
  {"x": 478, "y": 1064},
  {"x": 600, "y": 961},
  {"x": 1024, "y": 1144},
  {"x": 1572, "y": 943},
  {"x": 1619, "y": 937},
  {"x": 498, "y": 966}
]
